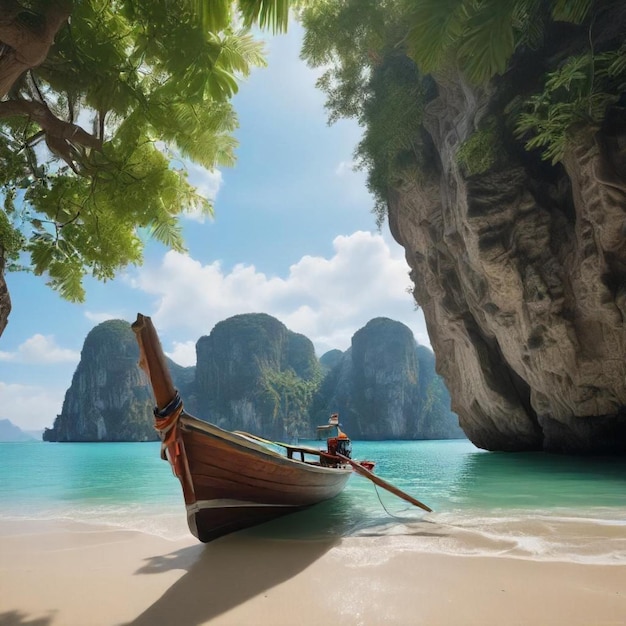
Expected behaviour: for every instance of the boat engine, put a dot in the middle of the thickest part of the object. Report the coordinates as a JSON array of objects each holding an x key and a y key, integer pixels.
[{"x": 340, "y": 445}]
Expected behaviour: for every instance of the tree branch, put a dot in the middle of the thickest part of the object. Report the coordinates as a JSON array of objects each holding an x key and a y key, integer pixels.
[
  {"x": 53, "y": 126},
  {"x": 66, "y": 140}
]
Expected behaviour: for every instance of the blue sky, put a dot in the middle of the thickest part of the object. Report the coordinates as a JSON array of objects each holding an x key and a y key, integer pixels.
[{"x": 293, "y": 236}]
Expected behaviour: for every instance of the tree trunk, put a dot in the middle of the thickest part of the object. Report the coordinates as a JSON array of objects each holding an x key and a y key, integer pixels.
[
  {"x": 25, "y": 43},
  {"x": 5, "y": 299}
]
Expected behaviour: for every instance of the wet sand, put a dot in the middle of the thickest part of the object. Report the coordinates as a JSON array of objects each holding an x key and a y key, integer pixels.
[{"x": 70, "y": 574}]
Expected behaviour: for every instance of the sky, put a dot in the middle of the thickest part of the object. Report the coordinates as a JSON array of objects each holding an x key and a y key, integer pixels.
[{"x": 293, "y": 236}]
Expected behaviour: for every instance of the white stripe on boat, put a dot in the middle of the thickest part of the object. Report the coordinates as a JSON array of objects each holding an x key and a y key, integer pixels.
[{"x": 226, "y": 503}]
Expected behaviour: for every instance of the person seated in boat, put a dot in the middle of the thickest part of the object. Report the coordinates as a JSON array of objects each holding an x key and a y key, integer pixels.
[
  {"x": 344, "y": 445},
  {"x": 340, "y": 444}
]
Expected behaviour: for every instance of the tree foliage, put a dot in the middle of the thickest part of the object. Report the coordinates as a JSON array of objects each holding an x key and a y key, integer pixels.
[
  {"x": 369, "y": 77},
  {"x": 482, "y": 150},
  {"x": 363, "y": 46},
  {"x": 481, "y": 36},
  {"x": 109, "y": 95}
]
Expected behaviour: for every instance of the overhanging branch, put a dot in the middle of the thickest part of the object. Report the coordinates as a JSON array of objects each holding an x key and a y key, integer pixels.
[{"x": 39, "y": 113}]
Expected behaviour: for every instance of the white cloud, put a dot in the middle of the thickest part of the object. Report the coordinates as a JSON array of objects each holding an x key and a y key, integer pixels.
[
  {"x": 345, "y": 168},
  {"x": 31, "y": 407},
  {"x": 327, "y": 300},
  {"x": 184, "y": 353},
  {"x": 40, "y": 349},
  {"x": 103, "y": 316}
]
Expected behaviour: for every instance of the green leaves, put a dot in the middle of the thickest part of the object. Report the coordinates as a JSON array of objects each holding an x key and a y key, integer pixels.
[
  {"x": 575, "y": 99},
  {"x": 144, "y": 80},
  {"x": 488, "y": 40},
  {"x": 272, "y": 15},
  {"x": 168, "y": 232},
  {"x": 479, "y": 37},
  {"x": 482, "y": 150},
  {"x": 216, "y": 15},
  {"x": 392, "y": 115},
  {"x": 11, "y": 240},
  {"x": 93, "y": 225},
  {"x": 436, "y": 28},
  {"x": 375, "y": 55},
  {"x": 571, "y": 10},
  {"x": 371, "y": 79}
]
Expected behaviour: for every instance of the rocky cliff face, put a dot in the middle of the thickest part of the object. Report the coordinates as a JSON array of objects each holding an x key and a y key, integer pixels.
[
  {"x": 385, "y": 387},
  {"x": 521, "y": 274},
  {"x": 110, "y": 398},
  {"x": 247, "y": 370},
  {"x": 254, "y": 374}
]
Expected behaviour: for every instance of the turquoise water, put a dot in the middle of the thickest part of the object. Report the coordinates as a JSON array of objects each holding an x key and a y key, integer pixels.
[{"x": 537, "y": 505}]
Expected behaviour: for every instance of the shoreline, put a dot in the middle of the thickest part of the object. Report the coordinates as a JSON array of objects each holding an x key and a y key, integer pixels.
[{"x": 75, "y": 574}]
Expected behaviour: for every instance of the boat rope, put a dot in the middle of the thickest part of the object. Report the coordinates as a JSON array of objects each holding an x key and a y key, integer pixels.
[
  {"x": 383, "y": 505},
  {"x": 175, "y": 404},
  {"x": 166, "y": 423}
]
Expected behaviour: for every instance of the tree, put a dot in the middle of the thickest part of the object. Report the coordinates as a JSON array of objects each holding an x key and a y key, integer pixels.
[
  {"x": 98, "y": 99},
  {"x": 481, "y": 37},
  {"x": 385, "y": 60},
  {"x": 368, "y": 76}
]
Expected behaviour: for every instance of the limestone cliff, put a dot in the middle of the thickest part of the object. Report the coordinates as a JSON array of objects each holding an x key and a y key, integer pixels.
[
  {"x": 521, "y": 269},
  {"x": 385, "y": 387},
  {"x": 110, "y": 398},
  {"x": 254, "y": 374}
]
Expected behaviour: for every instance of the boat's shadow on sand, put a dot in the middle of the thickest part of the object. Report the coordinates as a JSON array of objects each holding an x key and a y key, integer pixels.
[
  {"x": 224, "y": 574},
  {"x": 234, "y": 569}
]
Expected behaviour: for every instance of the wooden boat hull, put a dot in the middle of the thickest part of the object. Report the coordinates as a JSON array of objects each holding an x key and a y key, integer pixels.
[
  {"x": 235, "y": 483},
  {"x": 230, "y": 480}
]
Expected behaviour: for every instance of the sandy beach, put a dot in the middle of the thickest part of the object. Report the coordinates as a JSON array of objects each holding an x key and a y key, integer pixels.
[{"x": 71, "y": 574}]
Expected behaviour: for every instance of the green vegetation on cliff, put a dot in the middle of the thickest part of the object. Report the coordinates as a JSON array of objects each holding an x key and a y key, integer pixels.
[
  {"x": 290, "y": 398},
  {"x": 385, "y": 61},
  {"x": 254, "y": 374},
  {"x": 511, "y": 214},
  {"x": 385, "y": 387}
]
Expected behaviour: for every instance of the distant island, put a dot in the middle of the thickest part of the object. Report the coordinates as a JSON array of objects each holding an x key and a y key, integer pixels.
[
  {"x": 9, "y": 432},
  {"x": 254, "y": 374}
]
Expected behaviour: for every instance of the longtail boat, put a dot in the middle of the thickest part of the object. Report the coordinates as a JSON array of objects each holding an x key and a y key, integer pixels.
[{"x": 234, "y": 480}]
